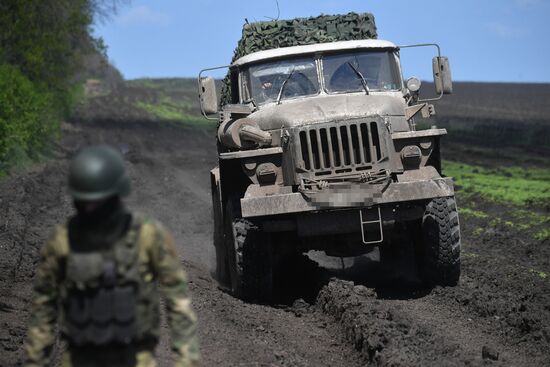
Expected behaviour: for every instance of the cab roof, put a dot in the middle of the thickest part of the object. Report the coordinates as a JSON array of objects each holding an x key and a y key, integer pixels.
[{"x": 311, "y": 49}]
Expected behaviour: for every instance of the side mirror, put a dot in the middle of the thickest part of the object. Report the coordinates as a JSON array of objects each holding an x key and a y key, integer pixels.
[
  {"x": 208, "y": 95},
  {"x": 442, "y": 75}
]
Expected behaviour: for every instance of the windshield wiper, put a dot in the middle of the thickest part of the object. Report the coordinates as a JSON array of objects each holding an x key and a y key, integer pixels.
[
  {"x": 363, "y": 81},
  {"x": 251, "y": 101},
  {"x": 283, "y": 86}
]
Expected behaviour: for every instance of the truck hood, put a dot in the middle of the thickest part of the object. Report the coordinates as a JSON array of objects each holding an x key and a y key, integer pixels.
[{"x": 326, "y": 108}]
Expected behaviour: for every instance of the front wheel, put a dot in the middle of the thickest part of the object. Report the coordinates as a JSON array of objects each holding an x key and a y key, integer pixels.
[
  {"x": 250, "y": 265},
  {"x": 439, "y": 243}
]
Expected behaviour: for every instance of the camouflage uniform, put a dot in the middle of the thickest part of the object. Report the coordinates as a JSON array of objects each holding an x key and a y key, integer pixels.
[{"x": 143, "y": 256}]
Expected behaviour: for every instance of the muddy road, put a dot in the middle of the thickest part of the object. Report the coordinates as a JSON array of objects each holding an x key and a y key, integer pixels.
[{"x": 362, "y": 314}]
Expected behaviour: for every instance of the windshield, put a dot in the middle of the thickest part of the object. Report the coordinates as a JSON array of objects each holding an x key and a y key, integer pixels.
[
  {"x": 282, "y": 79},
  {"x": 345, "y": 72}
]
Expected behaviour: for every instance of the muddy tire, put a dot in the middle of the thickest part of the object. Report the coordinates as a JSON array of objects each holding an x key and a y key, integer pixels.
[
  {"x": 250, "y": 265},
  {"x": 222, "y": 270},
  {"x": 439, "y": 245}
]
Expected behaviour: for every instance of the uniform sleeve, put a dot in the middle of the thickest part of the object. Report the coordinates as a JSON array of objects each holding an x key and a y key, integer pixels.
[
  {"x": 174, "y": 288},
  {"x": 44, "y": 310}
]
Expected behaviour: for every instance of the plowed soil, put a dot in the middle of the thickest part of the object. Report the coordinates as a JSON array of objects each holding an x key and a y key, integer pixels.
[{"x": 499, "y": 314}]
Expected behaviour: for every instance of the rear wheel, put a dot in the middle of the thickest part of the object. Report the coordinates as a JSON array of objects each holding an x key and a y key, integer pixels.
[
  {"x": 249, "y": 256},
  {"x": 439, "y": 243}
]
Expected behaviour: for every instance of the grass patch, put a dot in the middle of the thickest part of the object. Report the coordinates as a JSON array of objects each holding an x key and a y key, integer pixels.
[
  {"x": 540, "y": 274},
  {"x": 469, "y": 255},
  {"x": 167, "y": 110},
  {"x": 543, "y": 234},
  {"x": 510, "y": 185},
  {"x": 163, "y": 112},
  {"x": 478, "y": 231},
  {"x": 144, "y": 83},
  {"x": 473, "y": 213},
  {"x": 531, "y": 219},
  {"x": 170, "y": 84},
  {"x": 169, "y": 99}
]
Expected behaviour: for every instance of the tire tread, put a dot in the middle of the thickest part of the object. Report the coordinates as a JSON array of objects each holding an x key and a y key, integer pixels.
[{"x": 441, "y": 242}]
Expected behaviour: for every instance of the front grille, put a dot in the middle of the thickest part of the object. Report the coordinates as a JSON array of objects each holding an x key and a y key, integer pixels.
[{"x": 330, "y": 149}]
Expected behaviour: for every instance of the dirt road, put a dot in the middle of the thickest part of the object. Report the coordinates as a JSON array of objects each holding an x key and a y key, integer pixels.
[{"x": 498, "y": 315}]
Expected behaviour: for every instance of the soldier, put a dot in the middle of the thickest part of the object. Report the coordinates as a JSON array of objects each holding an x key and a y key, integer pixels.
[
  {"x": 98, "y": 274},
  {"x": 268, "y": 93}
]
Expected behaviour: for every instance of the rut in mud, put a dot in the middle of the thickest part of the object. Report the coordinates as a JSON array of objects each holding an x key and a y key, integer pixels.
[{"x": 499, "y": 314}]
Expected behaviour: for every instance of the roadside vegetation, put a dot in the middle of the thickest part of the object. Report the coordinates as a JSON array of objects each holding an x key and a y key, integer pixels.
[{"x": 45, "y": 46}]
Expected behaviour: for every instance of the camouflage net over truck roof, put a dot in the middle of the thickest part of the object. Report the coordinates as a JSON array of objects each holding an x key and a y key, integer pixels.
[{"x": 260, "y": 36}]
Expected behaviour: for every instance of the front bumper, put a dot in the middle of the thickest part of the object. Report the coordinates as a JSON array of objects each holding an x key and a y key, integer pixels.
[{"x": 255, "y": 204}]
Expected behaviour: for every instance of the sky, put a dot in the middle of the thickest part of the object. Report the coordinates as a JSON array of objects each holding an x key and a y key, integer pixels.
[{"x": 485, "y": 40}]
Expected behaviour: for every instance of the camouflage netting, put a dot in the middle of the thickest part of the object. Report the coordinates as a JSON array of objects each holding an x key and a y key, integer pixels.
[{"x": 261, "y": 36}]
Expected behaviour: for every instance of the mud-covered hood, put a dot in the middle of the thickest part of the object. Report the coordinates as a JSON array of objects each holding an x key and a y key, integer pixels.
[{"x": 327, "y": 108}]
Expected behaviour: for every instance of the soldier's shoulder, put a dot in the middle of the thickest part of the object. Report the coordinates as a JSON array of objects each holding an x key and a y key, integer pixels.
[
  {"x": 58, "y": 240},
  {"x": 150, "y": 229},
  {"x": 141, "y": 220}
]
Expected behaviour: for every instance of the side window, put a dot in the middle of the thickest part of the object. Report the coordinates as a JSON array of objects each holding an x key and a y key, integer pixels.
[
  {"x": 245, "y": 90},
  {"x": 235, "y": 86}
]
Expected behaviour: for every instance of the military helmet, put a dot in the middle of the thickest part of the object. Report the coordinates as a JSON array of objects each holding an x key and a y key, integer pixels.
[{"x": 98, "y": 172}]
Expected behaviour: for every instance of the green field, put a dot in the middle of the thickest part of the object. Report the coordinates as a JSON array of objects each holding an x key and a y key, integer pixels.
[
  {"x": 504, "y": 185},
  {"x": 517, "y": 198}
]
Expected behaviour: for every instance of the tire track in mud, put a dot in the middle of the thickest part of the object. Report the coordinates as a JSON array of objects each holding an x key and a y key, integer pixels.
[
  {"x": 498, "y": 314},
  {"x": 414, "y": 331}
]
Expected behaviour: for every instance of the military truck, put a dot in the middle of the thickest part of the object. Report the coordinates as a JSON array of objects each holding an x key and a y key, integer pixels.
[{"x": 319, "y": 150}]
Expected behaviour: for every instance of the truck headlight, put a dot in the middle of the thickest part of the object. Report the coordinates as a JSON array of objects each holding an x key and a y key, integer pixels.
[
  {"x": 413, "y": 84},
  {"x": 411, "y": 156},
  {"x": 266, "y": 173}
]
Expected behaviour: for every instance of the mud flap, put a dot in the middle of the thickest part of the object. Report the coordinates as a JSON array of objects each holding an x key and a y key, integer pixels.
[{"x": 371, "y": 225}]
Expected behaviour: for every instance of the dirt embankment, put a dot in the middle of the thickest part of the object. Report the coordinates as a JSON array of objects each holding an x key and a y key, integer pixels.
[{"x": 499, "y": 314}]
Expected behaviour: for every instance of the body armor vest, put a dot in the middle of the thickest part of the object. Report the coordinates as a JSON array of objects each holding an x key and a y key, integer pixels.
[{"x": 104, "y": 298}]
